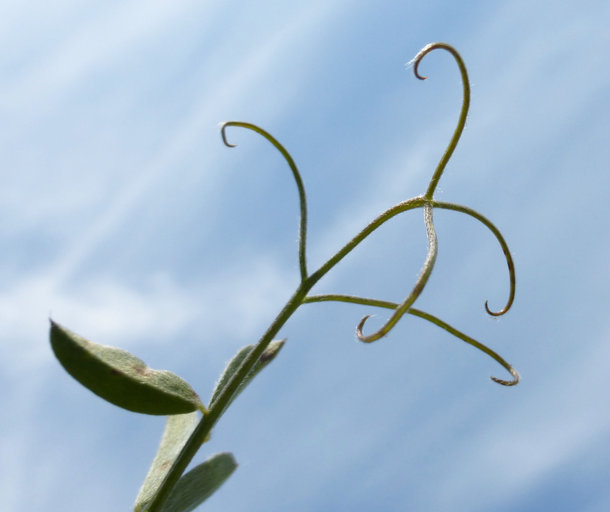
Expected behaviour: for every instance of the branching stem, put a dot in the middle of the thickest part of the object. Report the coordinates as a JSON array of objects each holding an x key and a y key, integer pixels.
[{"x": 307, "y": 282}]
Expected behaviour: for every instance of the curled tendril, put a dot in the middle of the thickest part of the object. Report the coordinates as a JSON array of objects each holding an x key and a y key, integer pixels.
[
  {"x": 503, "y": 245},
  {"x": 223, "y": 133},
  {"x": 428, "y": 204},
  {"x": 297, "y": 179},
  {"x": 417, "y": 289},
  {"x": 463, "y": 114},
  {"x": 430, "y": 318}
]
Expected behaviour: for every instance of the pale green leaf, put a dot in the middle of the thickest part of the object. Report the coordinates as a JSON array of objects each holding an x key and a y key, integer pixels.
[
  {"x": 178, "y": 428},
  {"x": 200, "y": 483},
  {"x": 121, "y": 378},
  {"x": 267, "y": 356}
]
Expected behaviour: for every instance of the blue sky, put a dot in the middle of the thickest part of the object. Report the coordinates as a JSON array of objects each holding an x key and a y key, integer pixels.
[{"x": 125, "y": 218}]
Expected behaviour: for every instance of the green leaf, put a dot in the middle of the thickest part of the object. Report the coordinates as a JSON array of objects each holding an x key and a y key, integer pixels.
[
  {"x": 178, "y": 428},
  {"x": 121, "y": 378},
  {"x": 200, "y": 483},
  {"x": 266, "y": 357}
]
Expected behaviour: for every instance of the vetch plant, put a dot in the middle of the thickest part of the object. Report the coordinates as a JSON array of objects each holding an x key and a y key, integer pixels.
[{"x": 127, "y": 382}]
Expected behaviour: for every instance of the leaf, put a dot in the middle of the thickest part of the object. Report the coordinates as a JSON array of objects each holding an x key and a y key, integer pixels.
[
  {"x": 266, "y": 357},
  {"x": 121, "y": 378},
  {"x": 200, "y": 483},
  {"x": 178, "y": 428}
]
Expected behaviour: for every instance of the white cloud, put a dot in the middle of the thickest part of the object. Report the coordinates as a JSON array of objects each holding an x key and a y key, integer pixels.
[
  {"x": 112, "y": 313},
  {"x": 241, "y": 79}
]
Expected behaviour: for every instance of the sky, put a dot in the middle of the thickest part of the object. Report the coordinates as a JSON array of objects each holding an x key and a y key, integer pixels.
[{"x": 125, "y": 218}]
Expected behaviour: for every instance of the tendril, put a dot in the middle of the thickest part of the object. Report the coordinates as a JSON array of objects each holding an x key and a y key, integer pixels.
[
  {"x": 463, "y": 114},
  {"x": 417, "y": 289},
  {"x": 428, "y": 204},
  {"x": 297, "y": 179},
  {"x": 501, "y": 241},
  {"x": 430, "y": 318}
]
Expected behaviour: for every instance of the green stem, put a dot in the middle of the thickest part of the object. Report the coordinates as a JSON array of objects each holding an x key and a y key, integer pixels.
[
  {"x": 208, "y": 421},
  {"x": 210, "y": 417}
]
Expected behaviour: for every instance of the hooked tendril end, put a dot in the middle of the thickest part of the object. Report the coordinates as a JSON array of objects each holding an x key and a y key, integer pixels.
[
  {"x": 362, "y": 337},
  {"x": 416, "y": 62},
  {"x": 223, "y": 134},
  {"x": 514, "y": 382},
  {"x": 421, "y": 54},
  {"x": 495, "y": 313}
]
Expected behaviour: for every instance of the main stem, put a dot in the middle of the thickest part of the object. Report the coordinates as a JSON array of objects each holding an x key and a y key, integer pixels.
[{"x": 209, "y": 419}]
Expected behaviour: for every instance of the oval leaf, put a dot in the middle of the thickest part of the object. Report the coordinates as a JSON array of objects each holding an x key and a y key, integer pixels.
[
  {"x": 121, "y": 378},
  {"x": 200, "y": 483},
  {"x": 178, "y": 428},
  {"x": 266, "y": 357}
]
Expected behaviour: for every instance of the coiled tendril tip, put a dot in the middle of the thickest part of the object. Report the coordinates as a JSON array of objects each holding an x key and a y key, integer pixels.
[
  {"x": 513, "y": 382},
  {"x": 361, "y": 336},
  {"x": 427, "y": 49},
  {"x": 415, "y": 63},
  {"x": 223, "y": 134},
  {"x": 495, "y": 313}
]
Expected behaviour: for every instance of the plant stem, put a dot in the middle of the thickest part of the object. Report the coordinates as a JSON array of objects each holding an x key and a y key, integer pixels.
[{"x": 209, "y": 420}]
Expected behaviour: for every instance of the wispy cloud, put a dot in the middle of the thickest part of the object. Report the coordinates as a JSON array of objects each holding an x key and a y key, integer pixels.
[
  {"x": 101, "y": 307},
  {"x": 96, "y": 39},
  {"x": 546, "y": 424}
]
